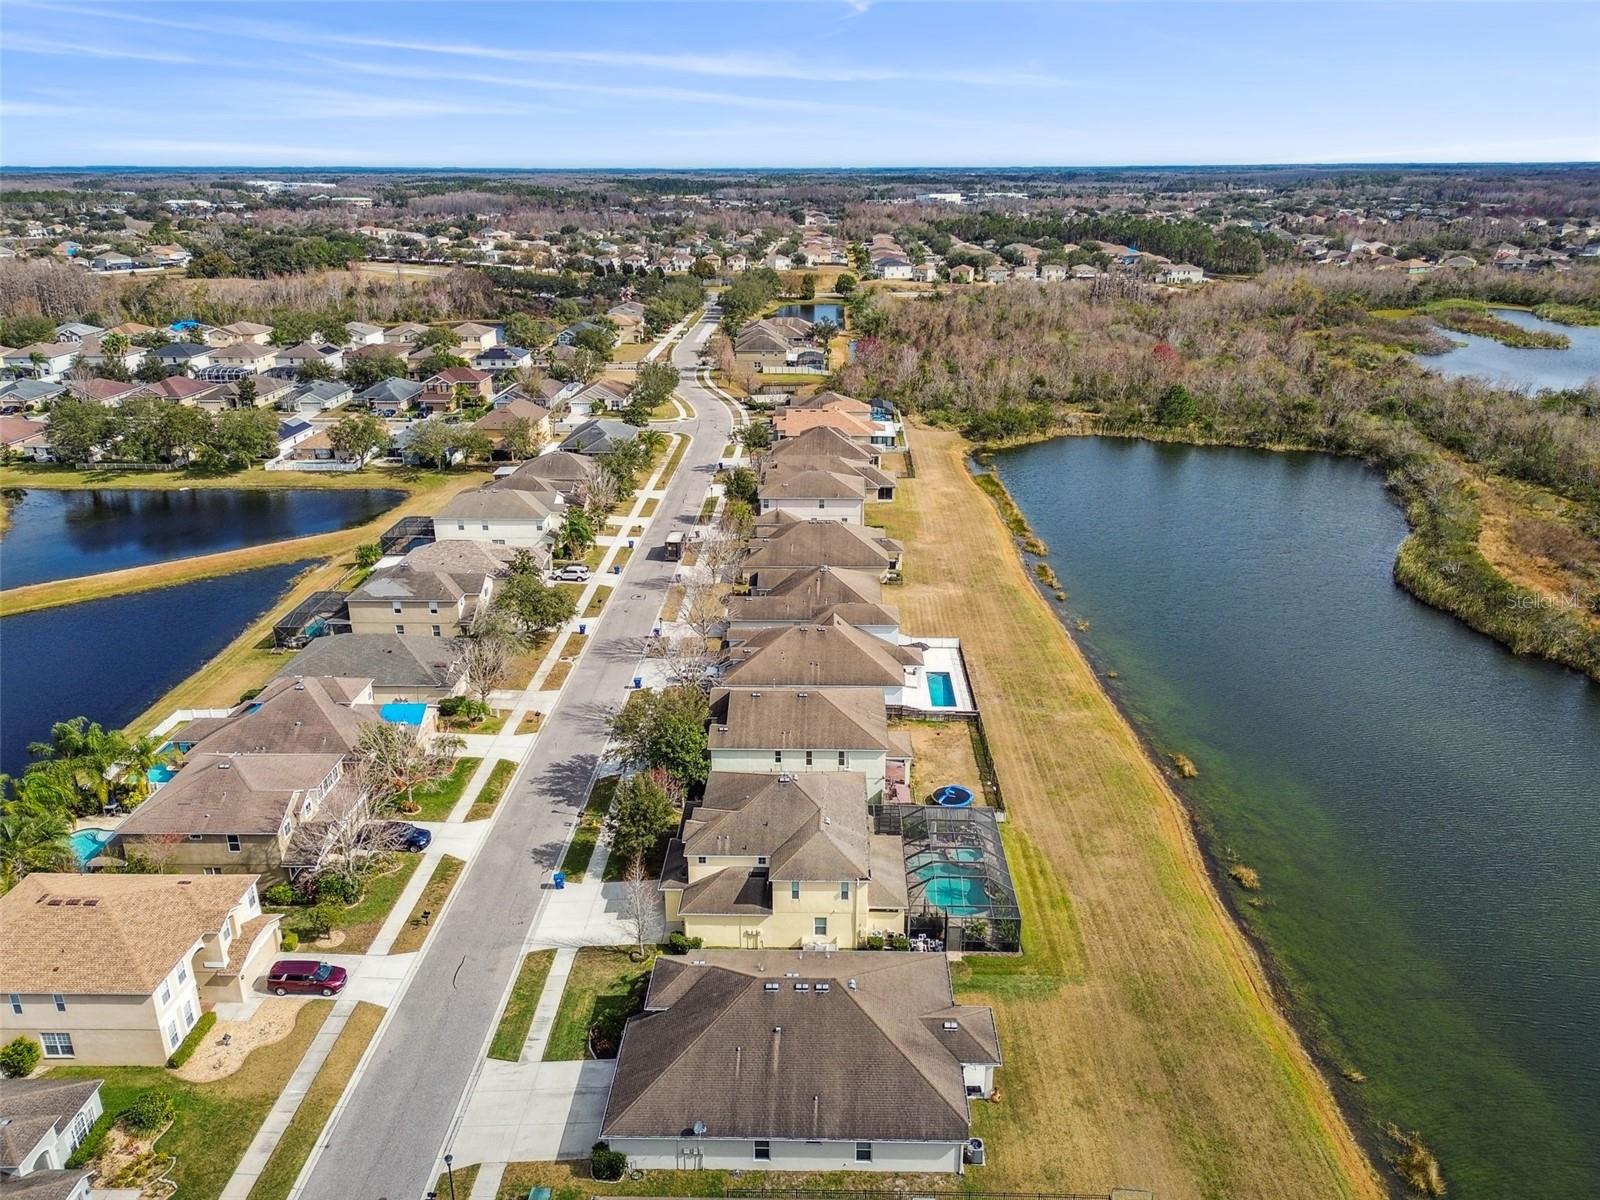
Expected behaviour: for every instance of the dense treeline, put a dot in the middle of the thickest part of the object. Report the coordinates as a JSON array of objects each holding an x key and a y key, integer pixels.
[
  {"x": 1237, "y": 250},
  {"x": 1293, "y": 359},
  {"x": 148, "y": 429}
]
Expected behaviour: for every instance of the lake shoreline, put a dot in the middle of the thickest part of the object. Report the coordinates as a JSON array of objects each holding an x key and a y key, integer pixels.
[
  {"x": 1280, "y": 992},
  {"x": 1415, "y": 577}
]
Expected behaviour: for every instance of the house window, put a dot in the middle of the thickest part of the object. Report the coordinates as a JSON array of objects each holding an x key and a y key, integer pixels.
[
  {"x": 777, "y": 756},
  {"x": 808, "y": 758},
  {"x": 844, "y": 889},
  {"x": 211, "y": 871},
  {"x": 166, "y": 992},
  {"x": 762, "y": 1151},
  {"x": 822, "y": 504},
  {"x": 794, "y": 889},
  {"x": 701, "y": 860},
  {"x": 461, "y": 526},
  {"x": 433, "y": 606},
  {"x": 233, "y": 843},
  {"x": 399, "y": 628},
  {"x": 188, "y": 1014},
  {"x": 80, "y": 1129},
  {"x": 56, "y": 1045},
  {"x": 863, "y": 1151},
  {"x": 60, "y": 1002},
  {"x": 396, "y": 606},
  {"x": 438, "y": 630},
  {"x": 16, "y": 1005},
  {"x": 819, "y": 926},
  {"x": 183, "y": 974},
  {"x": 485, "y": 527},
  {"x": 172, "y": 1033},
  {"x": 195, "y": 837},
  {"x": 761, "y": 860}
]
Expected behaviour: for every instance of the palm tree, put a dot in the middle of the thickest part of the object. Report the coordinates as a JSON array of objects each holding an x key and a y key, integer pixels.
[
  {"x": 33, "y": 837},
  {"x": 80, "y": 750},
  {"x": 141, "y": 755},
  {"x": 577, "y": 533},
  {"x": 651, "y": 440}
]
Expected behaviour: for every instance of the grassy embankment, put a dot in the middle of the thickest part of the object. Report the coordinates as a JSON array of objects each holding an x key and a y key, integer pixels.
[
  {"x": 305, "y": 1127},
  {"x": 1567, "y": 314},
  {"x": 214, "y": 1122},
  {"x": 1143, "y": 1045},
  {"x": 426, "y": 491}
]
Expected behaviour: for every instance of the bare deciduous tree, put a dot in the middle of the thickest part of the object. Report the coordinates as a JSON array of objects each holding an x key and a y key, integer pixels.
[
  {"x": 395, "y": 760},
  {"x": 487, "y": 650},
  {"x": 638, "y": 908}
]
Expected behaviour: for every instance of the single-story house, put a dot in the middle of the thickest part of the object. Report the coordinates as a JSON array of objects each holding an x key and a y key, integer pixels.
[
  {"x": 295, "y": 357},
  {"x": 116, "y": 968},
  {"x": 317, "y": 396},
  {"x": 110, "y": 392},
  {"x": 19, "y": 394},
  {"x": 291, "y": 432},
  {"x": 603, "y": 395},
  {"x": 778, "y": 1061},
  {"x": 788, "y": 423},
  {"x": 28, "y": 438},
  {"x": 599, "y": 436},
  {"x": 390, "y": 397}
]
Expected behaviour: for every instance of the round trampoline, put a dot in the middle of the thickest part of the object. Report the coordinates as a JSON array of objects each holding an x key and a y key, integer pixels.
[{"x": 953, "y": 795}]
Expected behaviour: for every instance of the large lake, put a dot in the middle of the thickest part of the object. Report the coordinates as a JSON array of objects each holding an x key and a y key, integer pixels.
[
  {"x": 1423, "y": 806},
  {"x": 109, "y": 660},
  {"x": 1532, "y": 369},
  {"x": 62, "y": 534},
  {"x": 814, "y": 312}
]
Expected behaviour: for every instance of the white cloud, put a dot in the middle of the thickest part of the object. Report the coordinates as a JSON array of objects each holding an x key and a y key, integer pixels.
[{"x": 21, "y": 43}]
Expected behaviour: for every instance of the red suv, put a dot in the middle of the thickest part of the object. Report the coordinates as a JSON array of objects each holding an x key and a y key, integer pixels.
[{"x": 306, "y": 976}]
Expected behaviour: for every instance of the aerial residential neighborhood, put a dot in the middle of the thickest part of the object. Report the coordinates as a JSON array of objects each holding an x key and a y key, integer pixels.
[{"x": 830, "y": 601}]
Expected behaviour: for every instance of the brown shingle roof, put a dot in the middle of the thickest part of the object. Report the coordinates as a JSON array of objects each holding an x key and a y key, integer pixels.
[
  {"x": 781, "y": 719},
  {"x": 32, "y": 1108},
  {"x": 850, "y": 1063},
  {"x": 824, "y": 544},
  {"x": 833, "y": 654},
  {"x": 108, "y": 935},
  {"x": 820, "y": 441},
  {"x": 809, "y": 826},
  {"x": 784, "y": 483}
]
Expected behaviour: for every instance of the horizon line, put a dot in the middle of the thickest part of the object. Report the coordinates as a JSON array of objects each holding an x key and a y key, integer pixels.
[{"x": 1330, "y": 164}]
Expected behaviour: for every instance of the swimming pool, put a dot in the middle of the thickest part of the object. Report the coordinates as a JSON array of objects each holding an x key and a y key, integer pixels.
[
  {"x": 957, "y": 888},
  {"x": 940, "y": 690},
  {"x": 87, "y": 843},
  {"x": 160, "y": 773},
  {"x": 400, "y": 713}
]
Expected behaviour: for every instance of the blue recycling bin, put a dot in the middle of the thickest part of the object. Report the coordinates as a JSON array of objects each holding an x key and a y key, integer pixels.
[
  {"x": 616, "y": 568},
  {"x": 559, "y": 880},
  {"x": 638, "y": 681},
  {"x": 583, "y": 627},
  {"x": 630, "y": 543}
]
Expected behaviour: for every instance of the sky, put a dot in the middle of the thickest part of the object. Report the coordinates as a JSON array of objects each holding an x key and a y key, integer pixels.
[{"x": 844, "y": 84}]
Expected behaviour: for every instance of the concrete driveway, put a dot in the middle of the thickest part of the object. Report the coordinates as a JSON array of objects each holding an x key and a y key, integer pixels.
[{"x": 534, "y": 1112}]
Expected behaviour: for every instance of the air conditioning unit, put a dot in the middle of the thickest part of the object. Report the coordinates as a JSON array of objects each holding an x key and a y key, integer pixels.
[{"x": 974, "y": 1151}]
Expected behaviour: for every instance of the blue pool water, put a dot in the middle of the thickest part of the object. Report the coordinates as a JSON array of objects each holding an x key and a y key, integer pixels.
[
  {"x": 941, "y": 690},
  {"x": 403, "y": 714},
  {"x": 86, "y": 843},
  {"x": 958, "y": 889},
  {"x": 160, "y": 773}
]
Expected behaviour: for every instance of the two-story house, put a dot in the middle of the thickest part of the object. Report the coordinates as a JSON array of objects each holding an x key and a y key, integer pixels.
[
  {"x": 793, "y": 731},
  {"x": 113, "y": 968},
  {"x": 500, "y": 516},
  {"x": 813, "y": 493},
  {"x": 814, "y": 596},
  {"x": 42, "y": 1121},
  {"x": 784, "y": 860},
  {"x": 828, "y": 654},
  {"x": 434, "y": 591}
]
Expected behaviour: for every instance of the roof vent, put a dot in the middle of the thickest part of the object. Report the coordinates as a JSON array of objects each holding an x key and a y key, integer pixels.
[
  {"x": 791, "y": 974},
  {"x": 824, "y": 987},
  {"x": 802, "y": 987},
  {"x": 851, "y": 985},
  {"x": 771, "y": 985},
  {"x": 952, "y": 1024},
  {"x": 224, "y": 765}
]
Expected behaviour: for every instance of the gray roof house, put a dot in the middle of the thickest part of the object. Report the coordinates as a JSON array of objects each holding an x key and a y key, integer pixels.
[
  {"x": 390, "y": 397},
  {"x": 599, "y": 436},
  {"x": 784, "y": 1060},
  {"x": 559, "y": 470},
  {"x": 42, "y": 1121},
  {"x": 317, "y": 396},
  {"x": 401, "y": 667}
]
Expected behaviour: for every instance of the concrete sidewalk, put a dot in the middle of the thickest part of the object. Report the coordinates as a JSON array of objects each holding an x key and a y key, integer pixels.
[
  {"x": 283, "y": 1109},
  {"x": 544, "y": 1014}
]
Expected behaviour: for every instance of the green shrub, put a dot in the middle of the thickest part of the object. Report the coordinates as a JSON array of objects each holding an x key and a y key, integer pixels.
[
  {"x": 875, "y": 941},
  {"x": 19, "y": 1057},
  {"x": 89, "y": 1148},
  {"x": 190, "y": 1044},
  {"x": 320, "y": 919},
  {"x": 677, "y": 943},
  {"x": 153, "y": 1109},
  {"x": 290, "y": 940},
  {"x": 607, "y": 1164},
  {"x": 280, "y": 895},
  {"x": 340, "y": 889},
  {"x": 902, "y": 942}
]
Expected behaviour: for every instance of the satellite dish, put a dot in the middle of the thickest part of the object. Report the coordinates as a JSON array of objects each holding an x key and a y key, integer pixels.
[{"x": 699, "y": 1129}]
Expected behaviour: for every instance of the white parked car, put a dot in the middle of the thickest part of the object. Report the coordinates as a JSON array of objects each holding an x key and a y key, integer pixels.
[{"x": 572, "y": 573}]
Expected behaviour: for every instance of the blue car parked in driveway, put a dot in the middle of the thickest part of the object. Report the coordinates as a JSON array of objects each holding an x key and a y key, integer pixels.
[{"x": 397, "y": 835}]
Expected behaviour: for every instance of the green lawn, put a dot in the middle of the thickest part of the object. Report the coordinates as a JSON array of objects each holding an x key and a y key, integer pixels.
[
  {"x": 517, "y": 1019},
  {"x": 434, "y": 894},
  {"x": 360, "y": 922},
  {"x": 465, "y": 1178},
  {"x": 581, "y": 849},
  {"x": 672, "y": 463},
  {"x": 438, "y": 799},
  {"x": 605, "y": 988},
  {"x": 214, "y": 1122},
  {"x": 597, "y": 602},
  {"x": 306, "y": 1125},
  {"x": 493, "y": 788}
]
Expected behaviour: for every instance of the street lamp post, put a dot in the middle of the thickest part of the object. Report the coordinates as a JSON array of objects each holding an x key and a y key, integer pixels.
[{"x": 450, "y": 1173}]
